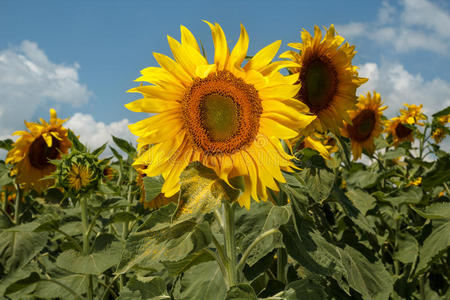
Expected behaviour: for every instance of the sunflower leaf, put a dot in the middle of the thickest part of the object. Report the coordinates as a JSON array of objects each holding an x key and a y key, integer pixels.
[
  {"x": 76, "y": 144},
  {"x": 124, "y": 145},
  {"x": 201, "y": 192},
  {"x": 444, "y": 112}
]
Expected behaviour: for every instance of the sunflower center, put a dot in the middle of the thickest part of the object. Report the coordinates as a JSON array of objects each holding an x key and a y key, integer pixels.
[
  {"x": 319, "y": 83},
  {"x": 220, "y": 116},
  {"x": 402, "y": 131},
  {"x": 40, "y": 154},
  {"x": 221, "y": 113},
  {"x": 363, "y": 125}
]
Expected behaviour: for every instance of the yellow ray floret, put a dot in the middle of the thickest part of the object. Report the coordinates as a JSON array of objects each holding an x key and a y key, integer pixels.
[
  {"x": 365, "y": 124},
  {"x": 328, "y": 78},
  {"x": 33, "y": 150},
  {"x": 227, "y": 116}
]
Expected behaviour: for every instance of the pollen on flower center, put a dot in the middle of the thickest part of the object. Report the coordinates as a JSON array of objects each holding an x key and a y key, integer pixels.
[
  {"x": 221, "y": 113},
  {"x": 363, "y": 125},
  {"x": 319, "y": 83},
  {"x": 402, "y": 131},
  {"x": 40, "y": 153}
]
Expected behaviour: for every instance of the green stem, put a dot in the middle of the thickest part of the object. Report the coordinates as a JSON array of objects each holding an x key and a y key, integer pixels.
[
  {"x": 74, "y": 242},
  {"x": 253, "y": 244},
  {"x": 341, "y": 143},
  {"x": 17, "y": 205},
  {"x": 125, "y": 225},
  {"x": 281, "y": 264},
  {"x": 422, "y": 287},
  {"x": 85, "y": 223},
  {"x": 230, "y": 244}
]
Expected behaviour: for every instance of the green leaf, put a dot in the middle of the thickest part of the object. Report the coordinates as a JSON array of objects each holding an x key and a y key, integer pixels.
[
  {"x": 16, "y": 275},
  {"x": 6, "y": 144},
  {"x": 318, "y": 182},
  {"x": 122, "y": 216},
  {"x": 444, "y": 112},
  {"x": 17, "y": 248},
  {"x": 438, "y": 173},
  {"x": 395, "y": 153},
  {"x": 412, "y": 195},
  {"x": 278, "y": 215},
  {"x": 99, "y": 150},
  {"x": 434, "y": 211},
  {"x": 76, "y": 144},
  {"x": 201, "y": 191},
  {"x": 203, "y": 282},
  {"x": 175, "y": 268},
  {"x": 166, "y": 242},
  {"x": 116, "y": 154},
  {"x": 152, "y": 186},
  {"x": 435, "y": 245},
  {"x": 124, "y": 145},
  {"x": 363, "y": 179},
  {"x": 147, "y": 287},
  {"x": 23, "y": 283},
  {"x": 50, "y": 290},
  {"x": 95, "y": 263},
  {"x": 408, "y": 248},
  {"x": 307, "y": 288},
  {"x": 361, "y": 200},
  {"x": 242, "y": 291}
]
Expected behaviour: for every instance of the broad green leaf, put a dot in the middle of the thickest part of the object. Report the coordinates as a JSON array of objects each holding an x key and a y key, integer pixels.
[
  {"x": 434, "y": 211},
  {"x": 438, "y": 173},
  {"x": 203, "y": 282},
  {"x": 175, "y": 268},
  {"x": 166, "y": 243},
  {"x": 122, "y": 216},
  {"x": 444, "y": 112},
  {"x": 99, "y": 150},
  {"x": 152, "y": 186},
  {"x": 361, "y": 200},
  {"x": 146, "y": 288},
  {"x": 17, "y": 248},
  {"x": 159, "y": 216},
  {"x": 363, "y": 179},
  {"x": 124, "y": 145},
  {"x": 27, "y": 283},
  {"x": 396, "y": 153},
  {"x": 51, "y": 290},
  {"x": 76, "y": 144},
  {"x": 278, "y": 215},
  {"x": 242, "y": 291},
  {"x": 318, "y": 182},
  {"x": 16, "y": 275},
  {"x": 412, "y": 195},
  {"x": 95, "y": 263},
  {"x": 6, "y": 144},
  {"x": 408, "y": 248},
  {"x": 302, "y": 289},
  {"x": 434, "y": 246},
  {"x": 201, "y": 191}
]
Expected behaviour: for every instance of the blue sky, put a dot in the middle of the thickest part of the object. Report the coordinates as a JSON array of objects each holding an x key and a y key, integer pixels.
[{"x": 81, "y": 56}]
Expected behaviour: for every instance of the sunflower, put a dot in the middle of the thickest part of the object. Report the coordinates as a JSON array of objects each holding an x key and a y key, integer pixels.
[
  {"x": 79, "y": 177},
  {"x": 323, "y": 144},
  {"x": 413, "y": 114},
  {"x": 32, "y": 152},
  {"x": 401, "y": 127},
  {"x": 438, "y": 135},
  {"x": 227, "y": 117},
  {"x": 328, "y": 78},
  {"x": 365, "y": 124}
]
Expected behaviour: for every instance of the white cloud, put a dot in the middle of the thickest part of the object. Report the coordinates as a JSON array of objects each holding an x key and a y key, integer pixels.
[
  {"x": 397, "y": 86},
  {"x": 419, "y": 24},
  {"x": 29, "y": 79},
  {"x": 94, "y": 134}
]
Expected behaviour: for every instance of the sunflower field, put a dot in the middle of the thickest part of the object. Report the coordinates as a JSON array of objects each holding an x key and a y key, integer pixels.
[{"x": 255, "y": 176}]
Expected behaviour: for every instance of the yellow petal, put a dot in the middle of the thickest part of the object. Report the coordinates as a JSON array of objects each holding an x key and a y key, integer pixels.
[
  {"x": 240, "y": 49},
  {"x": 221, "y": 51},
  {"x": 270, "y": 128},
  {"x": 188, "y": 38},
  {"x": 173, "y": 68},
  {"x": 152, "y": 105},
  {"x": 263, "y": 57}
]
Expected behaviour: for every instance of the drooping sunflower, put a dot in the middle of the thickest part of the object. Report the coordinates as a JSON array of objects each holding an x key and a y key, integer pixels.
[
  {"x": 366, "y": 124},
  {"x": 327, "y": 77},
  {"x": 227, "y": 117},
  {"x": 32, "y": 152}
]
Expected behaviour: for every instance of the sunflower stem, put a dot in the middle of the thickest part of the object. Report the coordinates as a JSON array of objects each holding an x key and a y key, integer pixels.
[
  {"x": 86, "y": 248},
  {"x": 230, "y": 244},
  {"x": 17, "y": 205},
  {"x": 125, "y": 228},
  {"x": 281, "y": 265}
]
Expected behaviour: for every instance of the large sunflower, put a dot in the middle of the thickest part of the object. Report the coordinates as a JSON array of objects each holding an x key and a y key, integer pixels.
[
  {"x": 328, "y": 78},
  {"x": 366, "y": 124},
  {"x": 229, "y": 118},
  {"x": 31, "y": 153}
]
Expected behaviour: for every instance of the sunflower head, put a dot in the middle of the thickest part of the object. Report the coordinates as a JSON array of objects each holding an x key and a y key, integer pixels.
[
  {"x": 322, "y": 143},
  {"x": 224, "y": 115},
  {"x": 327, "y": 77},
  {"x": 365, "y": 124},
  {"x": 33, "y": 150},
  {"x": 412, "y": 114},
  {"x": 399, "y": 130},
  {"x": 79, "y": 173}
]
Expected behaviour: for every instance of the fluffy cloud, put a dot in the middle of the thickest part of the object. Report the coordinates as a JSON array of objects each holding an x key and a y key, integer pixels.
[
  {"x": 397, "y": 86},
  {"x": 29, "y": 79},
  {"x": 94, "y": 134},
  {"x": 419, "y": 24}
]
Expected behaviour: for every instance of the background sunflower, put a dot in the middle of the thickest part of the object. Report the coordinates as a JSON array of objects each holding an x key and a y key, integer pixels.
[{"x": 32, "y": 152}]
